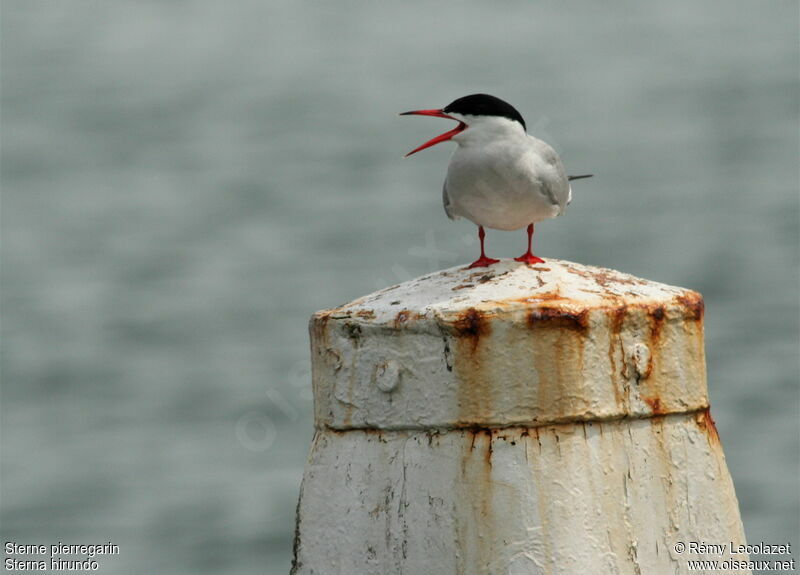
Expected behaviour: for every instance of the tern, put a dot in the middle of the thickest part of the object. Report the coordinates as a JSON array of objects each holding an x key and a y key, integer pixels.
[{"x": 499, "y": 177}]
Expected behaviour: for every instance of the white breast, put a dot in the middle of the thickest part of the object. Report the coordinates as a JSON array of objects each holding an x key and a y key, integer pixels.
[{"x": 505, "y": 182}]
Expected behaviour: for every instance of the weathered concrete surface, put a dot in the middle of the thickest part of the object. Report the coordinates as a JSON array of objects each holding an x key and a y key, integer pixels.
[{"x": 516, "y": 420}]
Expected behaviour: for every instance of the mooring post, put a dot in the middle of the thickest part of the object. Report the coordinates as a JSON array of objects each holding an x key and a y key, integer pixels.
[{"x": 513, "y": 420}]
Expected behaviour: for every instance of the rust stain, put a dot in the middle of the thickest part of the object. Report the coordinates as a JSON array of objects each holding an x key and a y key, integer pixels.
[
  {"x": 485, "y": 485},
  {"x": 472, "y": 324},
  {"x": 476, "y": 479},
  {"x": 655, "y": 405},
  {"x": 366, "y": 314},
  {"x": 651, "y": 360},
  {"x": 558, "y": 317},
  {"x": 431, "y": 434},
  {"x": 617, "y": 317},
  {"x": 401, "y": 317},
  {"x": 404, "y": 316},
  {"x": 707, "y": 424},
  {"x": 558, "y": 359},
  {"x": 693, "y": 303},
  {"x": 537, "y": 297},
  {"x": 489, "y": 448},
  {"x": 320, "y": 319},
  {"x": 663, "y": 457},
  {"x": 646, "y": 375},
  {"x": 469, "y": 361},
  {"x": 462, "y": 286},
  {"x": 476, "y": 431},
  {"x": 656, "y": 315}
]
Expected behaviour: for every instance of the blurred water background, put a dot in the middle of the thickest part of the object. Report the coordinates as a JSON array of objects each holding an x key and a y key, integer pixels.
[{"x": 184, "y": 183}]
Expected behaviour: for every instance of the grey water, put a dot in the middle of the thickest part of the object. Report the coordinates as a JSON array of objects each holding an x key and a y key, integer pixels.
[{"x": 184, "y": 183}]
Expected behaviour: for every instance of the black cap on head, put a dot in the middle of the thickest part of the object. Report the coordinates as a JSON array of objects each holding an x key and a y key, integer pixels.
[{"x": 484, "y": 105}]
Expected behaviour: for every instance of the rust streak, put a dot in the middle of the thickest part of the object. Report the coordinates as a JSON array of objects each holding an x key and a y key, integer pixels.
[
  {"x": 614, "y": 344},
  {"x": 617, "y": 317},
  {"x": 476, "y": 478},
  {"x": 471, "y": 351},
  {"x": 655, "y": 405},
  {"x": 656, "y": 316},
  {"x": 707, "y": 424},
  {"x": 471, "y": 324}
]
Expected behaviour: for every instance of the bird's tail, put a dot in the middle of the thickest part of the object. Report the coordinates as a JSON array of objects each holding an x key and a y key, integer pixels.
[{"x": 570, "y": 178}]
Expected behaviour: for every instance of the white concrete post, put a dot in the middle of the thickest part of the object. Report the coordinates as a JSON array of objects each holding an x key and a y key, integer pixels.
[{"x": 513, "y": 420}]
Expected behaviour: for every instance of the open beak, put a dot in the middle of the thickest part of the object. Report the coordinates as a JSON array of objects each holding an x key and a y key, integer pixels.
[{"x": 444, "y": 137}]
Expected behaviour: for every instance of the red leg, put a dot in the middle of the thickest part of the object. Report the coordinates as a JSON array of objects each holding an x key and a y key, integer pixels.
[
  {"x": 528, "y": 256},
  {"x": 483, "y": 261}
]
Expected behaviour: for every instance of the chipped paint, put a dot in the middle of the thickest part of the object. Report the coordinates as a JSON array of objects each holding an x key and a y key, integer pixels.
[{"x": 483, "y": 422}]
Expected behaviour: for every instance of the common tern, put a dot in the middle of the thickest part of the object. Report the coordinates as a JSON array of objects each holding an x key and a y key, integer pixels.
[{"x": 499, "y": 177}]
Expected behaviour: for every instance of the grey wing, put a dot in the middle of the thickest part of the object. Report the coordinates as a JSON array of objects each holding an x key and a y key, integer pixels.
[
  {"x": 446, "y": 202},
  {"x": 556, "y": 185}
]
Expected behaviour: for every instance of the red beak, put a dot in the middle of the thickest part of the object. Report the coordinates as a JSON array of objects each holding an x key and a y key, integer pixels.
[{"x": 444, "y": 137}]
